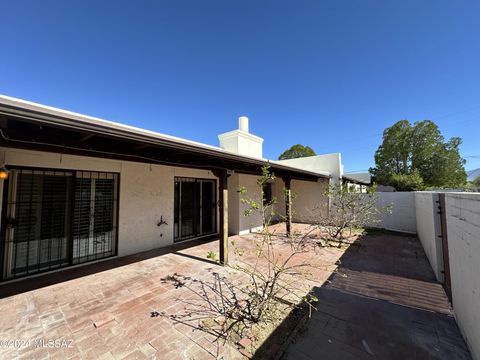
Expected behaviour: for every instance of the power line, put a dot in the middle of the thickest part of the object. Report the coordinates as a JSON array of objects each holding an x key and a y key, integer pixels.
[
  {"x": 457, "y": 113},
  {"x": 356, "y": 171}
]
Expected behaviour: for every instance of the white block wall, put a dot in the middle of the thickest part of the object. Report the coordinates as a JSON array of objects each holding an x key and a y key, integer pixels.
[
  {"x": 429, "y": 229},
  {"x": 463, "y": 227},
  {"x": 146, "y": 193},
  {"x": 403, "y": 216}
]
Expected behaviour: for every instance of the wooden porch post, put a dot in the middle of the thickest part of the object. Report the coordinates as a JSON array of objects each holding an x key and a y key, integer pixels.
[
  {"x": 288, "y": 204},
  {"x": 223, "y": 221}
]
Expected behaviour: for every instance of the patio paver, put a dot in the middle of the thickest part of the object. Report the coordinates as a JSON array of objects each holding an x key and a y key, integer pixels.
[
  {"x": 383, "y": 303},
  {"x": 105, "y": 309}
]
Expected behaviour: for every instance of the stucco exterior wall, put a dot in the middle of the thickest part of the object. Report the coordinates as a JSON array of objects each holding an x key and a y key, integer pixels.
[
  {"x": 429, "y": 229},
  {"x": 145, "y": 194},
  {"x": 242, "y": 142},
  {"x": 463, "y": 228},
  {"x": 328, "y": 163},
  {"x": 253, "y": 221},
  {"x": 309, "y": 201},
  {"x": 278, "y": 192},
  {"x": 233, "y": 205}
]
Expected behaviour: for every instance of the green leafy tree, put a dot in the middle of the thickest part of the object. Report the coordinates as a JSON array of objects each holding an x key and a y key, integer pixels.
[
  {"x": 407, "y": 182},
  {"x": 297, "y": 151},
  {"x": 413, "y": 157}
]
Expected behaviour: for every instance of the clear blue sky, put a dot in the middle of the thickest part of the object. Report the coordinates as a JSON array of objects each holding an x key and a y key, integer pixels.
[{"x": 329, "y": 74}]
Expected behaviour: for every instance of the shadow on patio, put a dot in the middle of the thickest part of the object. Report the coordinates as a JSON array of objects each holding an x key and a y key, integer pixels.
[{"x": 382, "y": 303}]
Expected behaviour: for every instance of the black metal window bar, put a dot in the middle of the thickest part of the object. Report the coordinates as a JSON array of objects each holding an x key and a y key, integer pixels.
[
  {"x": 58, "y": 218},
  {"x": 94, "y": 216},
  {"x": 195, "y": 210}
]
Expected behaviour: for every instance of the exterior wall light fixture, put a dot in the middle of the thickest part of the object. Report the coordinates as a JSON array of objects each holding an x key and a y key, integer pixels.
[{"x": 4, "y": 173}]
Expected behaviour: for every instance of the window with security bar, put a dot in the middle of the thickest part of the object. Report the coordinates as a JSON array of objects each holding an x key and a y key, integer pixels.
[{"x": 58, "y": 218}]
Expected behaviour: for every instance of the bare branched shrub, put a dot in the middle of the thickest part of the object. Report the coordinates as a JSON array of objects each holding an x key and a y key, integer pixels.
[
  {"x": 350, "y": 209},
  {"x": 274, "y": 273},
  {"x": 267, "y": 279}
]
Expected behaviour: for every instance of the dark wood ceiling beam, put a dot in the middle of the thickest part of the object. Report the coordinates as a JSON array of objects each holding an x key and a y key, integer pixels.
[
  {"x": 86, "y": 137},
  {"x": 140, "y": 147},
  {"x": 63, "y": 140}
]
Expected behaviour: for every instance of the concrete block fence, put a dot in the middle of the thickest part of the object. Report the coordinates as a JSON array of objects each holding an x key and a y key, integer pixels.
[{"x": 450, "y": 235}]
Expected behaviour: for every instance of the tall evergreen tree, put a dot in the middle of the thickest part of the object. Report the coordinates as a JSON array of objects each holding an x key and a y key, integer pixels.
[{"x": 412, "y": 157}]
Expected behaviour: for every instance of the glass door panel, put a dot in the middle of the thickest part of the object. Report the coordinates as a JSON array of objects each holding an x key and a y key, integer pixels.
[
  {"x": 208, "y": 207},
  {"x": 94, "y": 219},
  {"x": 188, "y": 209},
  {"x": 38, "y": 214},
  {"x": 194, "y": 208},
  {"x": 58, "y": 218}
]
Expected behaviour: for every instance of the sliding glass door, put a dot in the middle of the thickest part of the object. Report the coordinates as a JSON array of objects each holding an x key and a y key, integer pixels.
[
  {"x": 37, "y": 224},
  {"x": 194, "y": 208},
  {"x": 58, "y": 218}
]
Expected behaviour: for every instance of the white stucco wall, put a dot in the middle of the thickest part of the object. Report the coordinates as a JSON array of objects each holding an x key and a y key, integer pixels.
[
  {"x": 463, "y": 228},
  {"x": 429, "y": 229},
  {"x": 254, "y": 220},
  {"x": 243, "y": 143},
  {"x": 238, "y": 223},
  {"x": 146, "y": 193},
  {"x": 330, "y": 164},
  {"x": 402, "y": 218},
  {"x": 233, "y": 205},
  {"x": 309, "y": 201},
  {"x": 278, "y": 192}
]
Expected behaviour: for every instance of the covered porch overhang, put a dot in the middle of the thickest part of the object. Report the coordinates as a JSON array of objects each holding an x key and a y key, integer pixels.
[{"x": 33, "y": 127}]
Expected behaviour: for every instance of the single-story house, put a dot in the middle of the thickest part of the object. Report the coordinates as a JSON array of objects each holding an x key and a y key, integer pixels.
[{"x": 76, "y": 189}]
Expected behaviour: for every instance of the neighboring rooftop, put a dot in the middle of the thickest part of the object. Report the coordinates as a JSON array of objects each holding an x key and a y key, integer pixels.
[{"x": 362, "y": 178}]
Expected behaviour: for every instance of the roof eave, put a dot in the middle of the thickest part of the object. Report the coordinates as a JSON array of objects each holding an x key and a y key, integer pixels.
[{"x": 44, "y": 116}]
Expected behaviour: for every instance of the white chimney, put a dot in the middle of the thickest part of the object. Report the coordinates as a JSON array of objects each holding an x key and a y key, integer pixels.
[
  {"x": 243, "y": 123},
  {"x": 240, "y": 141}
]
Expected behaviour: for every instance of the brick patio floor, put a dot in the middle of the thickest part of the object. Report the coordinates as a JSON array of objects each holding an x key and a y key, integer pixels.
[
  {"x": 382, "y": 303},
  {"x": 105, "y": 308}
]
